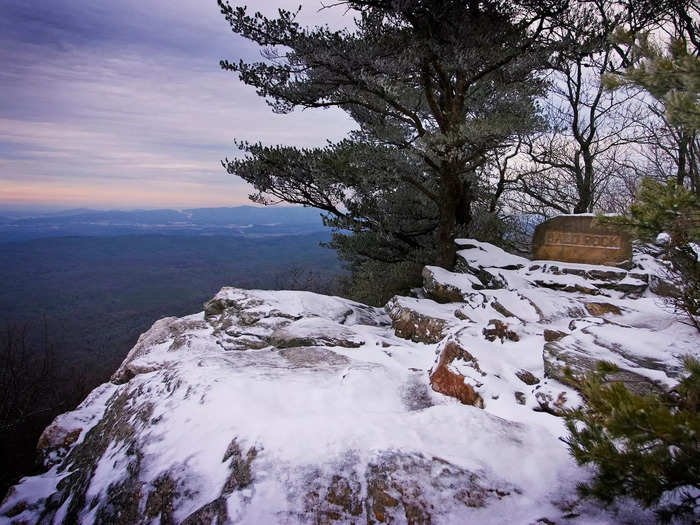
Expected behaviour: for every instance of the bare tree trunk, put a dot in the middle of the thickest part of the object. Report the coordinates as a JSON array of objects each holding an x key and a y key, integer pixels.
[
  {"x": 464, "y": 204},
  {"x": 585, "y": 187},
  {"x": 500, "y": 187}
]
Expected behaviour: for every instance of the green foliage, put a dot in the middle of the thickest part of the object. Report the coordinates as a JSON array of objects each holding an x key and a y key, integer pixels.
[
  {"x": 434, "y": 87},
  {"x": 366, "y": 190},
  {"x": 666, "y": 207},
  {"x": 662, "y": 207},
  {"x": 669, "y": 207},
  {"x": 375, "y": 282},
  {"x": 643, "y": 447},
  {"x": 672, "y": 77}
]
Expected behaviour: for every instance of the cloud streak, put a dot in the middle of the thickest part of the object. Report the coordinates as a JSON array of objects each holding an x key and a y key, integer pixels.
[{"x": 112, "y": 104}]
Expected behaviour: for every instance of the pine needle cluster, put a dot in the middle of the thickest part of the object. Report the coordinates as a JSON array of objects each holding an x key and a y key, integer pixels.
[
  {"x": 675, "y": 210},
  {"x": 644, "y": 447}
]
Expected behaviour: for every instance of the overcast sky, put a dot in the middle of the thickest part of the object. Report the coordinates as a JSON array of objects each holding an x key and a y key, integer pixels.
[{"x": 123, "y": 104}]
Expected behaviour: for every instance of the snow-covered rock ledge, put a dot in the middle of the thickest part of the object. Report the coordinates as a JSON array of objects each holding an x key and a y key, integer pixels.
[{"x": 293, "y": 407}]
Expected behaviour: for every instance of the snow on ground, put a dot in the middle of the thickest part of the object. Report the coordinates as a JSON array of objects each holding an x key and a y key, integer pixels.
[
  {"x": 488, "y": 255},
  {"x": 292, "y": 407}
]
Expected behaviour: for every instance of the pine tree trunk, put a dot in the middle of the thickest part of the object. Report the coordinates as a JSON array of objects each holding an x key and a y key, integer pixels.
[{"x": 450, "y": 196}]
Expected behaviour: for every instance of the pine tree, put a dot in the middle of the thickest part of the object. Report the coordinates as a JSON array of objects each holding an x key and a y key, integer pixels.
[
  {"x": 672, "y": 77},
  {"x": 434, "y": 86},
  {"x": 644, "y": 447},
  {"x": 671, "y": 209},
  {"x": 663, "y": 207}
]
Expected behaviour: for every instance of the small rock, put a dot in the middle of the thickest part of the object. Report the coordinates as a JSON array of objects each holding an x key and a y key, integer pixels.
[
  {"x": 501, "y": 309},
  {"x": 589, "y": 290},
  {"x": 527, "y": 377},
  {"x": 409, "y": 323},
  {"x": 445, "y": 381},
  {"x": 662, "y": 239},
  {"x": 640, "y": 276},
  {"x": 628, "y": 286},
  {"x": 600, "y": 309},
  {"x": 55, "y": 442},
  {"x": 487, "y": 278},
  {"x": 583, "y": 289},
  {"x": 664, "y": 287},
  {"x": 440, "y": 292},
  {"x": 606, "y": 275},
  {"x": 499, "y": 331},
  {"x": 520, "y": 397},
  {"x": 574, "y": 271},
  {"x": 553, "y": 335},
  {"x": 459, "y": 314},
  {"x": 549, "y": 405}
]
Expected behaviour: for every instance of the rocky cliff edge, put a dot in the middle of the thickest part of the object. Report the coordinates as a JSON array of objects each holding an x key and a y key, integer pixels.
[{"x": 293, "y": 407}]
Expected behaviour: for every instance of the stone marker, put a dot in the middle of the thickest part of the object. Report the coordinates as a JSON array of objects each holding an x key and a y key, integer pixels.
[{"x": 574, "y": 238}]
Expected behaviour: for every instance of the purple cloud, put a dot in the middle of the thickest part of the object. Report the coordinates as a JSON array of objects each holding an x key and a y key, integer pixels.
[{"x": 123, "y": 103}]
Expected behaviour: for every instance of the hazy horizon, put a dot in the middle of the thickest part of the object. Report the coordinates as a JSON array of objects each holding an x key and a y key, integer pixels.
[{"x": 48, "y": 208}]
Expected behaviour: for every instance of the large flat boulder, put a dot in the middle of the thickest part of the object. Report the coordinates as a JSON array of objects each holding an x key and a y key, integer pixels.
[
  {"x": 486, "y": 262},
  {"x": 648, "y": 361},
  {"x": 304, "y": 434},
  {"x": 421, "y": 320},
  {"x": 444, "y": 286}
]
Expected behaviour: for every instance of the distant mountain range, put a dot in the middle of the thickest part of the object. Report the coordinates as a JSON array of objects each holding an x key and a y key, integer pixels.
[{"x": 245, "y": 221}]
